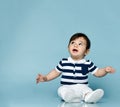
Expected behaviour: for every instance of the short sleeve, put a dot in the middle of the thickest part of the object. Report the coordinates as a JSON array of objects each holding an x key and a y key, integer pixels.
[
  {"x": 92, "y": 67},
  {"x": 59, "y": 67}
]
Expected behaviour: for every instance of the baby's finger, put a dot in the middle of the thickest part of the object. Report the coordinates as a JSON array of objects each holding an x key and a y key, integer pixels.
[{"x": 37, "y": 80}]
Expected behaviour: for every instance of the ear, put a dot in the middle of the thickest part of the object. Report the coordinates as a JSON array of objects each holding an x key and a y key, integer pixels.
[{"x": 87, "y": 51}]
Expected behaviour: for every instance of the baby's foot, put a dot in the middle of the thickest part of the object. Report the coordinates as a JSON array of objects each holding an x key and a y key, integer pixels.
[{"x": 94, "y": 96}]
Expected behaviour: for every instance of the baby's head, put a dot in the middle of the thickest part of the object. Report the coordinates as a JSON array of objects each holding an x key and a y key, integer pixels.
[
  {"x": 79, "y": 46},
  {"x": 78, "y": 35}
]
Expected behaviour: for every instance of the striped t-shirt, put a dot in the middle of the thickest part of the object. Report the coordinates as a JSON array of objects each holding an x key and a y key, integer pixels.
[{"x": 75, "y": 72}]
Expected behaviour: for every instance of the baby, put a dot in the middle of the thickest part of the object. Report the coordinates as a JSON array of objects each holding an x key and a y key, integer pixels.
[{"x": 74, "y": 72}]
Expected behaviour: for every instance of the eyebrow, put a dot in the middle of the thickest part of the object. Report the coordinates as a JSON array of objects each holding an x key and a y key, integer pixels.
[{"x": 79, "y": 41}]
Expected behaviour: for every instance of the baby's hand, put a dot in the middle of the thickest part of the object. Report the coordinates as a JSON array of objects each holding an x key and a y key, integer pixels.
[
  {"x": 39, "y": 78},
  {"x": 109, "y": 69}
]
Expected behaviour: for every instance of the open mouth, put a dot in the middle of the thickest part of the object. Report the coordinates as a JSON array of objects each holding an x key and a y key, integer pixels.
[{"x": 75, "y": 50}]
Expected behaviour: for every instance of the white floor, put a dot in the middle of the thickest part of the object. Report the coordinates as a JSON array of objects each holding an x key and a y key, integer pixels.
[{"x": 50, "y": 101}]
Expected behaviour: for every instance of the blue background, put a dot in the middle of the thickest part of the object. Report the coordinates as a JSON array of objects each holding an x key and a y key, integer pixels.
[{"x": 34, "y": 35}]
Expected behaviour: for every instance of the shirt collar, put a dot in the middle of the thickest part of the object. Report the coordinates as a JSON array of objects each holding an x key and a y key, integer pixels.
[{"x": 73, "y": 61}]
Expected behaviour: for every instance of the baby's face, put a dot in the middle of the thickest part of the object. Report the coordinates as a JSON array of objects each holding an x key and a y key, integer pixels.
[{"x": 77, "y": 48}]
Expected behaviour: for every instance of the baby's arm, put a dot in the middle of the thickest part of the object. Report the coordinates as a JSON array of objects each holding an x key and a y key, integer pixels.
[
  {"x": 50, "y": 76},
  {"x": 103, "y": 71}
]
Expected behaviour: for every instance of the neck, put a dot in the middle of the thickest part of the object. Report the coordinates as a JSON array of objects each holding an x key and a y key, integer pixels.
[{"x": 77, "y": 58}]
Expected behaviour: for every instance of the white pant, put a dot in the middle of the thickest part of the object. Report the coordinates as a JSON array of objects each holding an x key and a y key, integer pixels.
[{"x": 77, "y": 90}]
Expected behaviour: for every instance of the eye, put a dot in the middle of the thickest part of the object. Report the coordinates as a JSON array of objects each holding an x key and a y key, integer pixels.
[
  {"x": 72, "y": 42},
  {"x": 80, "y": 43}
]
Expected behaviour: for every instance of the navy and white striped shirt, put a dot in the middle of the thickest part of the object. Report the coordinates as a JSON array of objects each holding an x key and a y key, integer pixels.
[{"x": 75, "y": 72}]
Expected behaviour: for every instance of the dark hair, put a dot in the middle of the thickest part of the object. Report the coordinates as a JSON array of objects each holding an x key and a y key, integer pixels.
[{"x": 77, "y": 35}]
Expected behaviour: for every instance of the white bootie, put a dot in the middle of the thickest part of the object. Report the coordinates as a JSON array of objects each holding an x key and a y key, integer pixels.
[{"x": 94, "y": 96}]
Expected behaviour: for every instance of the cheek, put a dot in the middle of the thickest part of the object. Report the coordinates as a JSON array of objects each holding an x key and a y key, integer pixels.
[
  {"x": 69, "y": 49},
  {"x": 82, "y": 50}
]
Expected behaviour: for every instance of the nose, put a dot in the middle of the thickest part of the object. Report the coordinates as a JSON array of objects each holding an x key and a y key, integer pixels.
[{"x": 75, "y": 45}]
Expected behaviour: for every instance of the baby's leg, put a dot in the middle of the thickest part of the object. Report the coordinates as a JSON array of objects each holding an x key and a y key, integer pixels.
[
  {"x": 81, "y": 90},
  {"x": 68, "y": 94}
]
